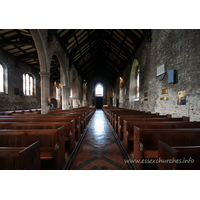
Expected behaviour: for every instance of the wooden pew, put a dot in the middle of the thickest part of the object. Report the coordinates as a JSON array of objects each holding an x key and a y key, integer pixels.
[
  {"x": 178, "y": 157},
  {"x": 69, "y": 128},
  {"x": 146, "y": 141},
  {"x": 114, "y": 115},
  {"x": 110, "y": 113},
  {"x": 53, "y": 120},
  {"x": 76, "y": 114},
  {"x": 52, "y": 143},
  {"x": 20, "y": 158},
  {"x": 133, "y": 114},
  {"x": 30, "y": 111},
  {"x": 129, "y": 128},
  {"x": 84, "y": 116},
  {"x": 80, "y": 120},
  {"x": 78, "y": 117},
  {"x": 144, "y": 119}
]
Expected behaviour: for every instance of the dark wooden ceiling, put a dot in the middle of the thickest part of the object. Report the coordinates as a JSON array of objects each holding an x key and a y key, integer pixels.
[{"x": 95, "y": 52}]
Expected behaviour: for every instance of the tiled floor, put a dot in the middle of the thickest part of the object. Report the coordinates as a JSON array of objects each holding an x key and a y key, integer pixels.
[{"x": 99, "y": 149}]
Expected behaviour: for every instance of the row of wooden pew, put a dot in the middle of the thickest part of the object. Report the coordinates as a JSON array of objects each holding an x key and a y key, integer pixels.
[
  {"x": 30, "y": 111},
  {"x": 35, "y": 141},
  {"x": 155, "y": 141}
]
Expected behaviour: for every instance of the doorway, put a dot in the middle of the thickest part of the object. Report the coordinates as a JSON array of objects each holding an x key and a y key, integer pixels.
[
  {"x": 117, "y": 100},
  {"x": 99, "y": 102}
]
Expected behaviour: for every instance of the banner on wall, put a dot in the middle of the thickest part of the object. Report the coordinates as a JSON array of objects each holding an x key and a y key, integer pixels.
[{"x": 181, "y": 98}]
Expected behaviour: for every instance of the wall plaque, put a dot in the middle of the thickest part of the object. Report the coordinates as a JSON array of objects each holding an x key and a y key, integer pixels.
[
  {"x": 164, "y": 91},
  {"x": 164, "y": 98},
  {"x": 146, "y": 94}
]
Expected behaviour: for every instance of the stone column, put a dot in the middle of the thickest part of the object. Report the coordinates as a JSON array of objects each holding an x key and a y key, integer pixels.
[
  {"x": 45, "y": 91},
  {"x": 83, "y": 103},
  {"x": 84, "y": 95},
  {"x": 75, "y": 103},
  {"x": 65, "y": 98}
]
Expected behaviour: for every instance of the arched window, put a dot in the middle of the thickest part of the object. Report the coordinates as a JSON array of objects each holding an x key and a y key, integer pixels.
[
  {"x": 138, "y": 83},
  {"x": 28, "y": 84},
  {"x": 70, "y": 93},
  {"x": 99, "y": 90},
  {"x": 57, "y": 93},
  {"x": 3, "y": 78},
  {"x": 134, "y": 86}
]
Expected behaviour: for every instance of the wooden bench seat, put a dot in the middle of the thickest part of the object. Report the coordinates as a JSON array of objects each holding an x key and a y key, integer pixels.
[
  {"x": 150, "y": 154},
  {"x": 47, "y": 153}
]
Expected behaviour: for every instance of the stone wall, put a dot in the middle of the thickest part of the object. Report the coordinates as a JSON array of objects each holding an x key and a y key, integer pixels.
[
  {"x": 107, "y": 91},
  {"x": 178, "y": 50},
  {"x": 12, "y": 101}
]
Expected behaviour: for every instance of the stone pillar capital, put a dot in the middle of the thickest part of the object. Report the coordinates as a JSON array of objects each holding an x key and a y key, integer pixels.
[{"x": 44, "y": 74}]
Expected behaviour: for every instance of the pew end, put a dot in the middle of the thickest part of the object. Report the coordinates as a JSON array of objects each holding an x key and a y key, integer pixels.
[
  {"x": 178, "y": 157},
  {"x": 20, "y": 158}
]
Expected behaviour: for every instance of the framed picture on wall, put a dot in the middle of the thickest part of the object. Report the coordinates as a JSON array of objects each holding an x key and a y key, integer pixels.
[{"x": 181, "y": 98}]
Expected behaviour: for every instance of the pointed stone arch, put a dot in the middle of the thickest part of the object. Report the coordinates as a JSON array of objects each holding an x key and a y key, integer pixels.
[
  {"x": 41, "y": 48},
  {"x": 44, "y": 60},
  {"x": 64, "y": 79}
]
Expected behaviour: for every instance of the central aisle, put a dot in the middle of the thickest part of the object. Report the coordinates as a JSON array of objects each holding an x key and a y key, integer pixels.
[{"x": 99, "y": 149}]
